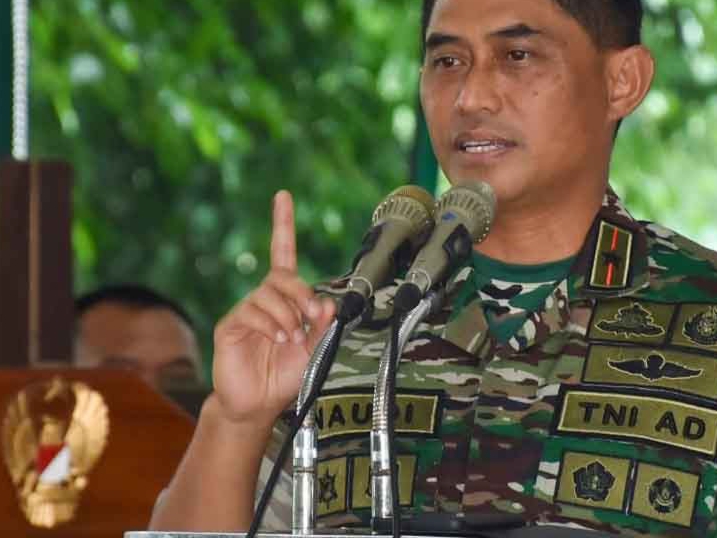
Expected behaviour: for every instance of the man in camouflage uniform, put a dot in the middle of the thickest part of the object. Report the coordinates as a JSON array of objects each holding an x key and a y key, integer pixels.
[{"x": 568, "y": 382}]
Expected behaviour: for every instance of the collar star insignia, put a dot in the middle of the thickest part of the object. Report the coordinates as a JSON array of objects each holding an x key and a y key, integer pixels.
[
  {"x": 702, "y": 328},
  {"x": 655, "y": 367},
  {"x": 634, "y": 320},
  {"x": 593, "y": 482}
]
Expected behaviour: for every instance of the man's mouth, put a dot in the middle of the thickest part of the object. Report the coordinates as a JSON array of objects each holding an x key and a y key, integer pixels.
[
  {"x": 482, "y": 143},
  {"x": 485, "y": 146}
]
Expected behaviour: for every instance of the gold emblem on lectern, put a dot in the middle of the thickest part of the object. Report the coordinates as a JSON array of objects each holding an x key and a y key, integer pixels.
[{"x": 53, "y": 434}]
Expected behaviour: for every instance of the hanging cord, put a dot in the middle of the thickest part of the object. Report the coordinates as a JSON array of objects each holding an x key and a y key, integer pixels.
[{"x": 297, "y": 421}]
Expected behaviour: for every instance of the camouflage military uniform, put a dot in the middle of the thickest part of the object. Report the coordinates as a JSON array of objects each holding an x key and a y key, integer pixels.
[{"x": 599, "y": 413}]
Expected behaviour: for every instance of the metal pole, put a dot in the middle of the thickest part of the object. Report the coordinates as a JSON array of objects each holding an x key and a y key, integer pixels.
[
  {"x": 5, "y": 79},
  {"x": 20, "y": 79}
]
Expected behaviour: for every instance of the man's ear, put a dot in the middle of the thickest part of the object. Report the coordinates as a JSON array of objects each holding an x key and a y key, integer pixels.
[{"x": 630, "y": 72}]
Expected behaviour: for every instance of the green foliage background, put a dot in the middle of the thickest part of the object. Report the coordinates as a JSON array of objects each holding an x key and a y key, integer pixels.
[{"x": 183, "y": 118}]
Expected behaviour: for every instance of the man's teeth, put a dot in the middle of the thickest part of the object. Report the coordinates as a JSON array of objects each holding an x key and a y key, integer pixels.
[{"x": 483, "y": 147}]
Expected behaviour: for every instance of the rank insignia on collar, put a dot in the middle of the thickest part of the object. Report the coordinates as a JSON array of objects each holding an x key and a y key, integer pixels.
[
  {"x": 702, "y": 327},
  {"x": 593, "y": 482},
  {"x": 634, "y": 320},
  {"x": 611, "y": 262},
  {"x": 53, "y": 434},
  {"x": 655, "y": 367}
]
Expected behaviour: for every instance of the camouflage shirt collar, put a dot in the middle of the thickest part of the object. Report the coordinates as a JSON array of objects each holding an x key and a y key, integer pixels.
[{"x": 613, "y": 262}]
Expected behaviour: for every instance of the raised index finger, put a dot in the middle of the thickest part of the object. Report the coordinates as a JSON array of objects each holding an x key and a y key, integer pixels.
[{"x": 283, "y": 235}]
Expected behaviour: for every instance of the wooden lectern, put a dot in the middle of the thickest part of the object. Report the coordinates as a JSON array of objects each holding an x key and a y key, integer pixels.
[
  {"x": 146, "y": 437},
  {"x": 84, "y": 452}
]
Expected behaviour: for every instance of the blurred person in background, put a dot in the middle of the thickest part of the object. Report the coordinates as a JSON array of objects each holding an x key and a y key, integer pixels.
[{"x": 135, "y": 328}]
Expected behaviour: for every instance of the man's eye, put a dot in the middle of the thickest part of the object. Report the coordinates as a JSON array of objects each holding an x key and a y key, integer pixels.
[
  {"x": 518, "y": 55},
  {"x": 445, "y": 62}
]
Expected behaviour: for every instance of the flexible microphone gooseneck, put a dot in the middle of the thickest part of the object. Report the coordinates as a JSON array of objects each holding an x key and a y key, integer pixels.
[
  {"x": 401, "y": 224},
  {"x": 463, "y": 218}
]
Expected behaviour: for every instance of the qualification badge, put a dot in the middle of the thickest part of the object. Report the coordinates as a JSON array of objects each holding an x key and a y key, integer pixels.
[
  {"x": 702, "y": 327},
  {"x": 53, "y": 433}
]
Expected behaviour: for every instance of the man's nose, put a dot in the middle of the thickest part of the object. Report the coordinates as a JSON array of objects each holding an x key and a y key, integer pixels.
[{"x": 479, "y": 93}]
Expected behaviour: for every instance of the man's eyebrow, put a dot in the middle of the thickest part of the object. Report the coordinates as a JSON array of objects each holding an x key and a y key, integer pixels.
[
  {"x": 518, "y": 30},
  {"x": 436, "y": 39},
  {"x": 515, "y": 31}
]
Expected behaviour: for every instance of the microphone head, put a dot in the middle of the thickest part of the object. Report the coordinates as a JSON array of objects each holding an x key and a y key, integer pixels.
[
  {"x": 410, "y": 204},
  {"x": 472, "y": 204}
]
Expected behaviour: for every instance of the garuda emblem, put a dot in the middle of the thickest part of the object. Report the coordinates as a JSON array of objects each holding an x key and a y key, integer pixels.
[
  {"x": 593, "y": 482},
  {"x": 632, "y": 320},
  {"x": 53, "y": 434},
  {"x": 702, "y": 328}
]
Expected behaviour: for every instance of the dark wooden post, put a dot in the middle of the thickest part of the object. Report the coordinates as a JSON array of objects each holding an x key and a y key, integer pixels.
[
  {"x": 36, "y": 306},
  {"x": 6, "y": 61}
]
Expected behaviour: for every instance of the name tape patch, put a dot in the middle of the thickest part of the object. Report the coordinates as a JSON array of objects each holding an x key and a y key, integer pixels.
[
  {"x": 648, "y": 418},
  {"x": 351, "y": 414}
]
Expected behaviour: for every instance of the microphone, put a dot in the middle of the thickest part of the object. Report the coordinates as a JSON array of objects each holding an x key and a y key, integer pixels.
[
  {"x": 401, "y": 224},
  {"x": 463, "y": 217}
]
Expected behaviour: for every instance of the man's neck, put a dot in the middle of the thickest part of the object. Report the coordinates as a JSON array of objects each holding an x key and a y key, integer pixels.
[{"x": 542, "y": 234}]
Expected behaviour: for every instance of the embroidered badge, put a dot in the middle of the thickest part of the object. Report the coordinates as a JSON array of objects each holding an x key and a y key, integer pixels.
[
  {"x": 332, "y": 478},
  {"x": 702, "y": 327},
  {"x": 642, "y": 366},
  {"x": 361, "y": 480},
  {"x": 634, "y": 320},
  {"x": 53, "y": 434},
  {"x": 327, "y": 488},
  {"x": 665, "y": 495},
  {"x": 654, "y": 367},
  {"x": 593, "y": 482}
]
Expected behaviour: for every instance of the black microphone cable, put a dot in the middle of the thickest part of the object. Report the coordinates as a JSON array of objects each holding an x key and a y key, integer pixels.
[{"x": 342, "y": 319}]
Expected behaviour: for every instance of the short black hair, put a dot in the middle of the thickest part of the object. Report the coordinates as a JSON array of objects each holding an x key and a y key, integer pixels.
[
  {"x": 130, "y": 295},
  {"x": 610, "y": 23}
]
